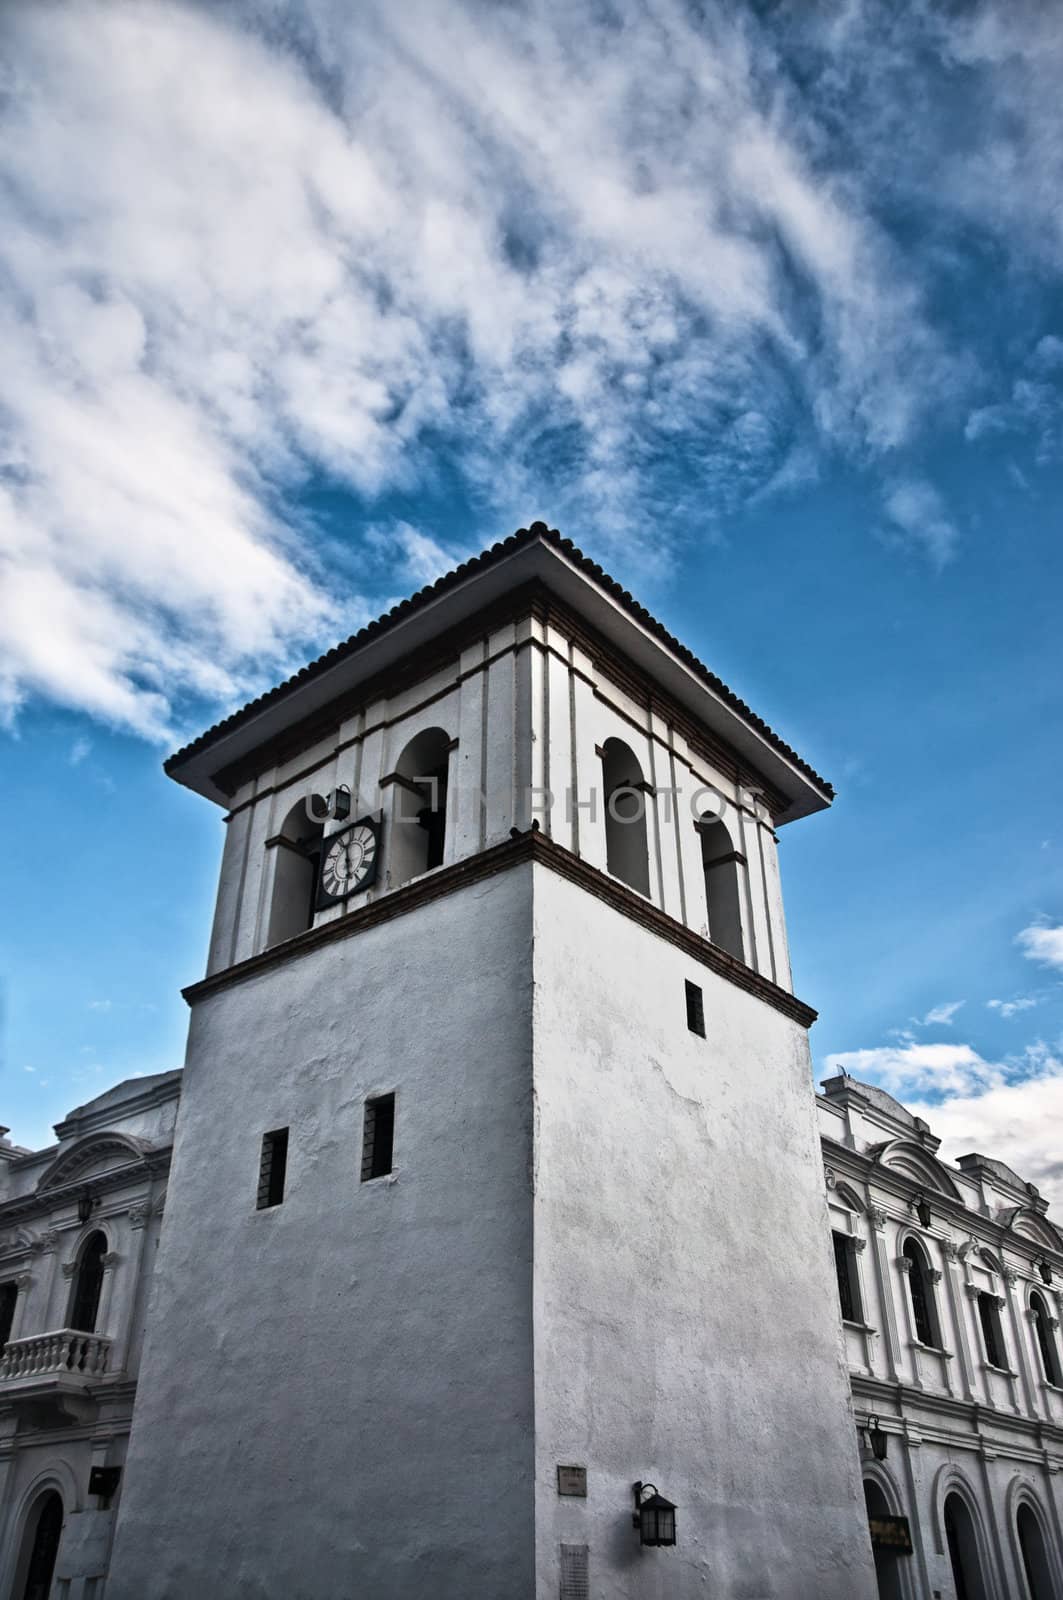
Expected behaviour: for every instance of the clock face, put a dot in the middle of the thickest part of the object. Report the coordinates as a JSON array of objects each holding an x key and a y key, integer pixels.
[{"x": 349, "y": 860}]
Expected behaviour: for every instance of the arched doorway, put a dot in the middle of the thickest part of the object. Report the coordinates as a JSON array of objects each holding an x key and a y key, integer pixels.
[
  {"x": 40, "y": 1546},
  {"x": 888, "y": 1573},
  {"x": 963, "y": 1550},
  {"x": 85, "y": 1299},
  {"x": 1034, "y": 1555}
]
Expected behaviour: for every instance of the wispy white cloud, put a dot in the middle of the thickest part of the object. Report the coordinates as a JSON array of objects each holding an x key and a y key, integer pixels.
[
  {"x": 1043, "y": 943},
  {"x": 615, "y": 266},
  {"x": 80, "y": 748},
  {"x": 942, "y": 1014},
  {"x": 1011, "y": 1008},
  {"x": 916, "y": 514},
  {"x": 913, "y": 1068}
]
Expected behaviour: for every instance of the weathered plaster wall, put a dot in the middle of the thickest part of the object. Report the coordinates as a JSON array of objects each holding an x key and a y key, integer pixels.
[
  {"x": 686, "y": 1325},
  {"x": 336, "y": 1394}
]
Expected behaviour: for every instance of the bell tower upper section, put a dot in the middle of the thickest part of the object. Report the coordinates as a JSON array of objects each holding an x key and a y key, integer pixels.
[{"x": 524, "y": 693}]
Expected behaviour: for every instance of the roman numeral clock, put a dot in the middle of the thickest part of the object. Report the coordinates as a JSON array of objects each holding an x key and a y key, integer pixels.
[{"x": 349, "y": 861}]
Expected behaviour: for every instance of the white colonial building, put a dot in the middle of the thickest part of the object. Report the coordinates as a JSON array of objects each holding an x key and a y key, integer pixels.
[
  {"x": 949, "y": 1282},
  {"x": 495, "y": 1261},
  {"x": 79, "y": 1228}
]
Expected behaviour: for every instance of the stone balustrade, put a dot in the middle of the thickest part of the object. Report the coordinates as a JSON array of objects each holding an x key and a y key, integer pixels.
[{"x": 64, "y": 1351}]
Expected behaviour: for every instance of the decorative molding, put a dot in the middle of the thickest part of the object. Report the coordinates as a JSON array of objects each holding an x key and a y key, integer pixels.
[
  {"x": 878, "y": 1217},
  {"x": 24, "y": 1279},
  {"x": 531, "y": 845},
  {"x": 857, "y": 1243},
  {"x": 47, "y": 1241},
  {"x": 935, "y": 1274},
  {"x": 1011, "y": 1277},
  {"x": 952, "y": 1252},
  {"x": 138, "y": 1215},
  {"x": 111, "y": 1259},
  {"x": 830, "y": 1177},
  {"x": 69, "y": 1268},
  {"x": 972, "y": 1290},
  {"x": 905, "y": 1263}
]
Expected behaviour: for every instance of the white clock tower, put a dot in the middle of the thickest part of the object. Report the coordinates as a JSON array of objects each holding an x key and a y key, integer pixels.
[{"x": 466, "y": 1234}]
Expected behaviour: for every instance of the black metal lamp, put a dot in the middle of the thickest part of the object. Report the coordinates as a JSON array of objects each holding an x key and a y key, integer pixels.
[
  {"x": 878, "y": 1439},
  {"x": 654, "y": 1515},
  {"x": 1045, "y": 1269},
  {"x": 922, "y": 1211},
  {"x": 87, "y": 1202}
]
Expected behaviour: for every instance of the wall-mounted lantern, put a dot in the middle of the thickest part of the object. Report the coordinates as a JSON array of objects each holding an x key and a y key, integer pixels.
[
  {"x": 87, "y": 1203},
  {"x": 878, "y": 1439},
  {"x": 654, "y": 1515},
  {"x": 921, "y": 1207},
  {"x": 1045, "y": 1269}
]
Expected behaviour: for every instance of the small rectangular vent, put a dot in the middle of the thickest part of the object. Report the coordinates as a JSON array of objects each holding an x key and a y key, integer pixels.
[
  {"x": 378, "y": 1138},
  {"x": 695, "y": 1009},
  {"x": 272, "y": 1168},
  {"x": 575, "y": 1572}
]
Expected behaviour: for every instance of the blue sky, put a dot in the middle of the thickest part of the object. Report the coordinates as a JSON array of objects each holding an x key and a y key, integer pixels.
[{"x": 302, "y": 304}]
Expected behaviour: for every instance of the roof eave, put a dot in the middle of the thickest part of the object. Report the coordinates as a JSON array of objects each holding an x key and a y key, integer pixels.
[{"x": 541, "y": 558}]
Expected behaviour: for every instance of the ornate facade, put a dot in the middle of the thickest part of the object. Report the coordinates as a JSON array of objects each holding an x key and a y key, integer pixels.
[
  {"x": 949, "y": 1282},
  {"x": 79, "y": 1224}
]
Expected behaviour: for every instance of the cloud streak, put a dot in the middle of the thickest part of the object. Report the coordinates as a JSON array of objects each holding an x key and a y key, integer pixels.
[{"x": 618, "y": 265}]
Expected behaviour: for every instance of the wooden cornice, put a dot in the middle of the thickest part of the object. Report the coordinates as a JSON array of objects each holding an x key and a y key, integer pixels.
[{"x": 531, "y": 845}]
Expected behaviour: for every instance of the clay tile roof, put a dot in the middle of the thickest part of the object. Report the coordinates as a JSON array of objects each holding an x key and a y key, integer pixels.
[{"x": 450, "y": 580}]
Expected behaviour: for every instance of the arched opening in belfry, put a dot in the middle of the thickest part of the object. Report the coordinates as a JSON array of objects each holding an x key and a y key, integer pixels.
[
  {"x": 720, "y": 863},
  {"x": 418, "y": 830},
  {"x": 295, "y": 872},
  {"x": 624, "y": 802},
  {"x": 964, "y": 1558},
  {"x": 40, "y": 1547},
  {"x": 88, "y": 1282}
]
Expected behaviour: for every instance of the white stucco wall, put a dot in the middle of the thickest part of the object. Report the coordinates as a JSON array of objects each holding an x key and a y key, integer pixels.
[
  {"x": 528, "y": 709},
  {"x": 686, "y": 1324},
  {"x": 337, "y": 1392}
]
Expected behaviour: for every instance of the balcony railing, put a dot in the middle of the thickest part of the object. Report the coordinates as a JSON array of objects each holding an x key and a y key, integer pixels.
[{"x": 64, "y": 1353}]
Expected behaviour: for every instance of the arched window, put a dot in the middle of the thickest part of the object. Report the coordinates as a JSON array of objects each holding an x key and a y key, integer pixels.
[
  {"x": 298, "y": 849},
  {"x": 720, "y": 862},
  {"x": 1046, "y": 1344},
  {"x": 924, "y": 1311},
  {"x": 887, "y": 1561},
  {"x": 624, "y": 803},
  {"x": 419, "y": 812},
  {"x": 88, "y": 1281},
  {"x": 963, "y": 1550},
  {"x": 8, "y": 1296},
  {"x": 1034, "y": 1555},
  {"x": 40, "y": 1546},
  {"x": 992, "y": 1332}
]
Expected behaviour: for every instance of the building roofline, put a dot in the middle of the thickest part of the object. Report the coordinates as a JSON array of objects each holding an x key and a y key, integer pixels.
[{"x": 187, "y": 766}]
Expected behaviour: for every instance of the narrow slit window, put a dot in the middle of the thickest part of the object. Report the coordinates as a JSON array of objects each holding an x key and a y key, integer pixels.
[
  {"x": 378, "y": 1139},
  {"x": 695, "y": 1009},
  {"x": 273, "y": 1168}
]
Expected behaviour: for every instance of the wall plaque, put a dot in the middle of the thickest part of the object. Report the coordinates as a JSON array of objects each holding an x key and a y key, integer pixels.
[
  {"x": 891, "y": 1533},
  {"x": 572, "y": 1481}
]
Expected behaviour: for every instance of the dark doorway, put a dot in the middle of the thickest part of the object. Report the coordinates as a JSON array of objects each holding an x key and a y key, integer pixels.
[
  {"x": 963, "y": 1551},
  {"x": 1034, "y": 1556},
  {"x": 887, "y": 1562},
  {"x": 85, "y": 1301},
  {"x": 44, "y": 1528}
]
